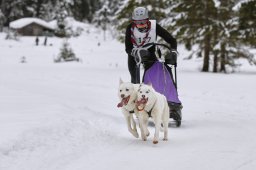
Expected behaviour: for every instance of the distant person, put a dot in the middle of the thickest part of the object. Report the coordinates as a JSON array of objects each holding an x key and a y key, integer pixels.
[
  {"x": 37, "y": 41},
  {"x": 45, "y": 41}
]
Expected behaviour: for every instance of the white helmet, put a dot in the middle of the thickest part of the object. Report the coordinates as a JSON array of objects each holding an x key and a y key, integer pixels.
[{"x": 140, "y": 13}]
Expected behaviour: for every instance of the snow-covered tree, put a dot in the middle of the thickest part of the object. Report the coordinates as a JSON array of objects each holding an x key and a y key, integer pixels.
[
  {"x": 156, "y": 9},
  {"x": 123, "y": 15},
  {"x": 61, "y": 16},
  {"x": 229, "y": 45},
  {"x": 66, "y": 53},
  {"x": 44, "y": 9},
  {"x": 13, "y": 9},
  {"x": 105, "y": 16},
  {"x": 2, "y": 20},
  {"x": 193, "y": 25},
  {"x": 211, "y": 27},
  {"x": 247, "y": 22},
  {"x": 83, "y": 9}
]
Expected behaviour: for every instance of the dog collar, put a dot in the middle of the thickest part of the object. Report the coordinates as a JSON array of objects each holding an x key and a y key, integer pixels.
[{"x": 148, "y": 112}]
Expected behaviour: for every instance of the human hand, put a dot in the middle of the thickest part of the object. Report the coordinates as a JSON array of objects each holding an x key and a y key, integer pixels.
[
  {"x": 134, "y": 52},
  {"x": 174, "y": 53}
]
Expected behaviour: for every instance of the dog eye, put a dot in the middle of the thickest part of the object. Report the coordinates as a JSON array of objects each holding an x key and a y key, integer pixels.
[
  {"x": 127, "y": 89},
  {"x": 140, "y": 91},
  {"x": 120, "y": 90},
  {"x": 147, "y": 91}
]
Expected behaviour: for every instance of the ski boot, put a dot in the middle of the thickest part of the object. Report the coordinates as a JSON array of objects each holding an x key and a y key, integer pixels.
[{"x": 175, "y": 112}]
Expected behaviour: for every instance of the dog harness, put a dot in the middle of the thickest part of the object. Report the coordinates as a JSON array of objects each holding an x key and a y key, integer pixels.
[
  {"x": 132, "y": 111},
  {"x": 149, "y": 112}
]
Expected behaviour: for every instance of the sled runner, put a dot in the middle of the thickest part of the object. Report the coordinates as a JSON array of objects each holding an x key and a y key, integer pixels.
[{"x": 162, "y": 76}]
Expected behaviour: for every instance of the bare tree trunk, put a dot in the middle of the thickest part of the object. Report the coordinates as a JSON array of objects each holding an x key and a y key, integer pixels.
[
  {"x": 223, "y": 58},
  {"x": 215, "y": 53},
  {"x": 215, "y": 62},
  {"x": 207, "y": 49},
  {"x": 215, "y": 41}
]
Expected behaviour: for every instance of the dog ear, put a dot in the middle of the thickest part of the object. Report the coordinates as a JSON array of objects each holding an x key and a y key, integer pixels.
[
  {"x": 139, "y": 87},
  {"x": 120, "y": 81}
]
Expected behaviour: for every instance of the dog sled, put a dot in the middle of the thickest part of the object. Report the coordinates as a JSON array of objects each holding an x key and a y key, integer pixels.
[{"x": 162, "y": 76}]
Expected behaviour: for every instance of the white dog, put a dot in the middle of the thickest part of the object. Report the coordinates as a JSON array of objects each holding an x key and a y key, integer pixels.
[
  {"x": 151, "y": 102},
  {"x": 127, "y": 93}
]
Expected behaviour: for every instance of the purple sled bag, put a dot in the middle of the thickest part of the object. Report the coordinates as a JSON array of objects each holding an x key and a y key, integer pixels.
[{"x": 161, "y": 80}]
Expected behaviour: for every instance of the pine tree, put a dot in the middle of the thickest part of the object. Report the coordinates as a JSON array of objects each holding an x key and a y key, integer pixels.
[
  {"x": 193, "y": 24},
  {"x": 43, "y": 9},
  {"x": 213, "y": 26},
  {"x": 230, "y": 45},
  {"x": 12, "y": 10},
  {"x": 61, "y": 16},
  {"x": 66, "y": 53},
  {"x": 34, "y": 8},
  {"x": 2, "y": 20},
  {"x": 123, "y": 15},
  {"x": 49, "y": 11},
  {"x": 102, "y": 18},
  {"x": 105, "y": 16},
  {"x": 247, "y": 22},
  {"x": 156, "y": 9},
  {"x": 83, "y": 9}
]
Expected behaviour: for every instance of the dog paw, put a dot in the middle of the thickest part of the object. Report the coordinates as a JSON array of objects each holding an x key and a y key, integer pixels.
[
  {"x": 144, "y": 138},
  {"x": 155, "y": 142},
  {"x": 165, "y": 139},
  {"x": 136, "y": 135},
  {"x": 148, "y": 134}
]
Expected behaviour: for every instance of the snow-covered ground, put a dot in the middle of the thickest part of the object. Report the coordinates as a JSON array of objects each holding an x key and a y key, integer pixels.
[{"x": 63, "y": 116}]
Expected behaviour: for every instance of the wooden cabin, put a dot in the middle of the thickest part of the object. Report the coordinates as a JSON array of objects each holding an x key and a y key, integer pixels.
[{"x": 32, "y": 27}]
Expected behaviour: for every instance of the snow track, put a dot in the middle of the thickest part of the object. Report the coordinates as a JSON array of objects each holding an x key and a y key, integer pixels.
[{"x": 64, "y": 116}]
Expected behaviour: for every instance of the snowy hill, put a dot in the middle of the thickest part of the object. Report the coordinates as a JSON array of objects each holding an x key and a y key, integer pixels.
[{"x": 63, "y": 115}]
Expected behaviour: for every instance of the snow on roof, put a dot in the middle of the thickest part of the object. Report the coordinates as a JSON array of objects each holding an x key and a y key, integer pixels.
[{"x": 20, "y": 23}]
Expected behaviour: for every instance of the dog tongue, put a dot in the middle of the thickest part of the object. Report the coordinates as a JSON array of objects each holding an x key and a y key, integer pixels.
[
  {"x": 142, "y": 101},
  {"x": 120, "y": 104},
  {"x": 123, "y": 102}
]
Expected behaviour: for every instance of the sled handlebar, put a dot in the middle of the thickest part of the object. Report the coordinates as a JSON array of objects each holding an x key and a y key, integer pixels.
[{"x": 158, "y": 44}]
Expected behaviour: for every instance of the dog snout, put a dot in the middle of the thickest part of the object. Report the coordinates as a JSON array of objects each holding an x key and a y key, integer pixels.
[
  {"x": 143, "y": 96},
  {"x": 122, "y": 95}
]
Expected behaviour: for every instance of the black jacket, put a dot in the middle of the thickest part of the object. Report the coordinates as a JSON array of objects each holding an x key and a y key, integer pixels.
[{"x": 160, "y": 31}]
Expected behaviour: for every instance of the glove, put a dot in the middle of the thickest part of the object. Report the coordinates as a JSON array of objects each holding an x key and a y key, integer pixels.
[
  {"x": 140, "y": 55},
  {"x": 174, "y": 53},
  {"x": 171, "y": 58}
]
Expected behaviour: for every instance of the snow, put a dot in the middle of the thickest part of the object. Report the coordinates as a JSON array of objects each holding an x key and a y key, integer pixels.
[
  {"x": 64, "y": 116},
  {"x": 70, "y": 23},
  {"x": 20, "y": 23},
  {"x": 239, "y": 4},
  {"x": 216, "y": 3}
]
